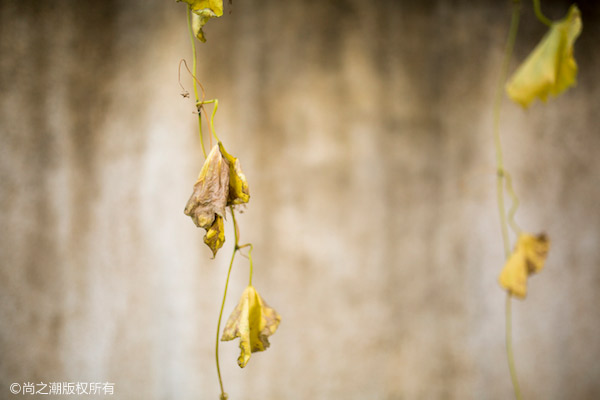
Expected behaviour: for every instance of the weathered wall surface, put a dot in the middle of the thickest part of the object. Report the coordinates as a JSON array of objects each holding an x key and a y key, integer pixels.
[{"x": 365, "y": 133}]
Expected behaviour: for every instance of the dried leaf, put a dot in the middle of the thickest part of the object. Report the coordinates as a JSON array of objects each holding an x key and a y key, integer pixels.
[
  {"x": 528, "y": 257},
  {"x": 550, "y": 68},
  {"x": 215, "y": 235},
  {"x": 221, "y": 183},
  {"x": 210, "y": 191},
  {"x": 238, "y": 186},
  {"x": 215, "y": 6},
  {"x": 207, "y": 204},
  {"x": 253, "y": 321},
  {"x": 198, "y": 21},
  {"x": 203, "y": 10}
]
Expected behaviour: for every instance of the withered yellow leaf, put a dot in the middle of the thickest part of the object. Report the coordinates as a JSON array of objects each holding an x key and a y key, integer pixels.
[
  {"x": 203, "y": 10},
  {"x": 206, "y": 205},
  {"x": 528, "y": 258},
  {"x": 215, "y": 6},
  {"x": 215, "y": 235},
  {"x": 209, "y": 197},
  {"x": 550, "y": 68},
  {"x": 221, "y": 183},
  {"x": 198, "y": 21},
  {"x": 253, "y": 321},
  {"x": 238, "y": 186}
]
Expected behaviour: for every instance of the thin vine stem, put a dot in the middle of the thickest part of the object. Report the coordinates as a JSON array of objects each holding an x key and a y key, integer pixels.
[
  {"x": 538, "y": 13},
  {"x": 212, "y": 124},
  {"x": 250, "y": 257},
  {"x": 194, "y": 58},
  {"x": 235, "y": 250},
  {"x": 500, "y": 176},
  {"x": 215, "y": 103},
  {"x": 200, "y": 103},
  {"x": 509, "y": 347},
  {"x": 223, "y": 394},
  {"x": 514, "y": 26},
  {"x": 515, "y": 204}
]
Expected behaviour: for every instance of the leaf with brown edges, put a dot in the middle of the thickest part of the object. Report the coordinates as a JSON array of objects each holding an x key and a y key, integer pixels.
[
  {"x": 528, "y": 258},
  {"x": 253, "y": 321}
]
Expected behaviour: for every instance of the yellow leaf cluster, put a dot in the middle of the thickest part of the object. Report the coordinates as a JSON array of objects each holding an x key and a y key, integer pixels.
[
  {"x": 253, "y": 321},
  {"x": 550, "y": 68},
  {"x": 221, "y": 183},
  {"x": 528, "y": 258}
]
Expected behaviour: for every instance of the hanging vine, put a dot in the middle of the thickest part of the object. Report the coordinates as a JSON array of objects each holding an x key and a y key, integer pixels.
[
  {"x": 222, "y": 185},
  {"x": 550, "y": 69}
]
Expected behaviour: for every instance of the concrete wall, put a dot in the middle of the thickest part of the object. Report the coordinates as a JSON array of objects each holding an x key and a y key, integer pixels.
[{"x": 365, "y": 132}]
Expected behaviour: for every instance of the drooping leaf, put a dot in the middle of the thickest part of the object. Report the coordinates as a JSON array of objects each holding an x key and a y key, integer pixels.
[
  {"x": 209, "y": 197},
  {"x": 238, "y": 186},
  {"x": 206, "y": 205},
  {"x": 528, "y": 258},
  {"x": 253, "y": 321},
  {"x": 198, "y": 21},
  {"x": 215, "y": 235},
  {"x": 215, "y": 6},
  {"x": 550, "y": 68},
  {"x": 202, "y": 11},
  {"x": 221, "y": 183}
]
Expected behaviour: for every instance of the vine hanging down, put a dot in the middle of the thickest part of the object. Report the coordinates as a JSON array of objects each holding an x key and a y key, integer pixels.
[
  {"x": 222, "y": 185},
  {"x": 550, "y": 69}
]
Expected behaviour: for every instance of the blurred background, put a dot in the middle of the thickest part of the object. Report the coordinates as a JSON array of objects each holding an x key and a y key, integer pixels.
[{"x": 365, "y": 132}]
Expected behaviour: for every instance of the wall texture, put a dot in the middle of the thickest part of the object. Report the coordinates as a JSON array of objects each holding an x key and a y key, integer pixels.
[{"x": 364, "y": 129}]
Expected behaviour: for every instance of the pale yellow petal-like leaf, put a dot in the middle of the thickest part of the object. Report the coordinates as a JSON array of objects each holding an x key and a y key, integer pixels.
[
  {"x": 207, "y": 204},
  {"x": 216, "y": 6},
  {"x": 215, "y": 235},
  {"x": 211, "y": 190},
  {"x": 239, "y": 191},
  {"x": 198, "y": 21},
  {"x": 202, "y": 11},
  {"x": 550, "y": 69},
  {"x": 528, "y": 258},
  {"x": 253, "y": 321}
]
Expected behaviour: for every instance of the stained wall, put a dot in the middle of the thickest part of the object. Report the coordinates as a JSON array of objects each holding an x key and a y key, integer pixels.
[{"x": 365, "y": 132}]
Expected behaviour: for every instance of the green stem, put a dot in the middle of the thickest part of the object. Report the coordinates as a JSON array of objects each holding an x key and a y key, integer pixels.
[
  {"x": 500, "y": 176},
  {"x": 223, "y": 394},
  {"x": 538, "y": 13},
  {"x": 189, "y": 16},
  {"x": 212, "y": 123},
  {"x": 515, "y": 204},
  {"x": 212, "y": 117},
  {"x": 250, "y": 257},
  {"x": 235, "y": 249},
  {"x": 240, "y": 247},
  {"x": 509, "y": 347},
  {"x": 236, "y": 231},
  {"x": 514, "y": 25}
]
